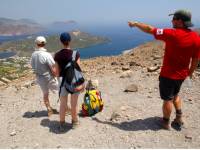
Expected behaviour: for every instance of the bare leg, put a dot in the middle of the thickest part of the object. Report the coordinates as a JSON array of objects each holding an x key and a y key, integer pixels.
[
  {"x": 167, "y": 109},
  {"x": 177, "y": 102},
  {"x": 74, "y": 107},
  {"x": 46, "y": 100},
  {"x": 63, "y": 103},
  {"x": 68, "y": 108}
]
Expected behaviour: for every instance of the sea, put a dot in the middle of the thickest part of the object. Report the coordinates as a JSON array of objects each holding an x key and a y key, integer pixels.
[{"x": 121, "y": 38}]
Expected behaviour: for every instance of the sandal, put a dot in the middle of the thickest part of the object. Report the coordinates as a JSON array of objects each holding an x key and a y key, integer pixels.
[
  {"x": 75, "y": 124},
  {"x": 51, "y": 111}
]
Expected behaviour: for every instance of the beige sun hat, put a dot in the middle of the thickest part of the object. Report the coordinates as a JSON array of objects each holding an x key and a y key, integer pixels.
[{"x": 40, "y": 40}]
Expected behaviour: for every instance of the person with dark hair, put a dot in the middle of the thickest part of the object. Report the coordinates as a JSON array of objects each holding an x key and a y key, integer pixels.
[
  {"x": 62, "y": 58},
  {"x": 43, "y": 66},
  {"x": 182, "y": 51}
]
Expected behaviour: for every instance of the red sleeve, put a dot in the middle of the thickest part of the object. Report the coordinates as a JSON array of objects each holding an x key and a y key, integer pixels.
[{"x": 164, "y": 34}]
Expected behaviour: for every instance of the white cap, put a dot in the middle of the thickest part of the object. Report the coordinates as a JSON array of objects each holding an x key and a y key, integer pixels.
[{"x": 40, "y": 40}]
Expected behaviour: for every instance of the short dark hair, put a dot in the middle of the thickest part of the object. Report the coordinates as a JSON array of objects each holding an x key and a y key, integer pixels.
[{"x": 41, "y": 45}]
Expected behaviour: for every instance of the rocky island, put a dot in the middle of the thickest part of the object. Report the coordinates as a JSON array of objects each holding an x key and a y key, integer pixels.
[{"x": 26, "y": 46}]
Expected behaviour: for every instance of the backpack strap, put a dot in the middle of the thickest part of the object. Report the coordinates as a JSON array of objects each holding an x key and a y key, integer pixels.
[
  {"x": 74, "y": 56},
  {"x": 63, "y": 78}
]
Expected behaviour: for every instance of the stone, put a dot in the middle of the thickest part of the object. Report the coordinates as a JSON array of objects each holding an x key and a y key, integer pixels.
[
  {"x": 131, "y": 88},
  {"x": 114, "y": 63},
  {"x": 126, "y": 74},
  {"x": 115, "y": 116},
  {"x": 2, "y": 83},
  {"x": 125, "y": 68},
  {"x": 132, "y": 63},
  {"x": 5, "y": 80},
  {"x": 189, "y": 137},
  {"x": 152, "y": 69},
  {"x": 13, "y": 133},
  {"x": 157, "y": 57},
  {"x": 123, "y": 108}
]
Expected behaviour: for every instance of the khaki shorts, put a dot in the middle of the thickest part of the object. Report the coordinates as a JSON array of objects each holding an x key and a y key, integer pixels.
[{"x": 47, "y": 84}]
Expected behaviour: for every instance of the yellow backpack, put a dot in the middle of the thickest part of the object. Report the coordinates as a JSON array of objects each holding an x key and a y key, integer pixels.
[{"x": 93, "y": 103}]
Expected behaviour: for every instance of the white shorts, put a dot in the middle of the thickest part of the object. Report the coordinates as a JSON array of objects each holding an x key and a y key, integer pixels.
[{"x": 47, "y": 84}]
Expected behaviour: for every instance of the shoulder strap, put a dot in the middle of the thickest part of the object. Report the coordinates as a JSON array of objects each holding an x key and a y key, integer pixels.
[
  {"x": 74, "y": 55},
  {"x": 73, "y": 59}
]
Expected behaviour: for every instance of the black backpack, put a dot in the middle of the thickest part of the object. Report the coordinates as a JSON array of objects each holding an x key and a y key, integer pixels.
[{"x": 72, "y": 78}]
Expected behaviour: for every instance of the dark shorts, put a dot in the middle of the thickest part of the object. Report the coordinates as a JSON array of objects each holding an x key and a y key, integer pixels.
[{"x": 169, "y": 88}]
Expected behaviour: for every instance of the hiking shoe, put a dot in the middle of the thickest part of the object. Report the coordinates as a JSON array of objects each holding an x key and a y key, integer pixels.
[
  {"x": 62, "y": 127},
  {"x": 164, "y": 124},
  {"x": 75, "y": 124},
  {"x": 177, "y": 124},
  {"x": 55, "y": 111},
  {"x": 49, "y": 111}
]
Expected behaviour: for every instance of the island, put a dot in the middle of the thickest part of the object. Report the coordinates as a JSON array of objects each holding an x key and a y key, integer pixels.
[{"x": 26, "y": 46}]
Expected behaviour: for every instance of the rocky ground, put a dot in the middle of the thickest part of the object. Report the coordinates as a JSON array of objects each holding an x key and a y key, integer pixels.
[{"x": 128, "y": 120}]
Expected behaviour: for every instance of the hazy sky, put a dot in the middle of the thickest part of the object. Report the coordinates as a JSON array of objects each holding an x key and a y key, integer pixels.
[{"x": 97, "y": 11}]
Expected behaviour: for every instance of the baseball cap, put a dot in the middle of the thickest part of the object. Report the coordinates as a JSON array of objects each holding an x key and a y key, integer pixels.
[
  {"x": 185, "y": 16},
  {"x": 40, "y": 40},
  {"x": 65, "y": 37}
]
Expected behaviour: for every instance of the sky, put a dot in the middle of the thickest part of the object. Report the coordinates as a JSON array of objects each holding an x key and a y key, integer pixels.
[{"x": 97, "y": 11}]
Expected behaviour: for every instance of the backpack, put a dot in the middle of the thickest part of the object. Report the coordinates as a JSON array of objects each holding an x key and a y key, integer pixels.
[
  {"x": 93, "y": 103},
  {"x": 72, "y": 78}
]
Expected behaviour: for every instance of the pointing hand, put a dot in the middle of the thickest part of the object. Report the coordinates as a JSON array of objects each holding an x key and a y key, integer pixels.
[{"x": 132, "y": 23}]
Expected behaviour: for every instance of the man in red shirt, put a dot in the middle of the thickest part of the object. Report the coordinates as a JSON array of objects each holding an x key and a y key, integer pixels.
[{"x": 182, "y": 51}]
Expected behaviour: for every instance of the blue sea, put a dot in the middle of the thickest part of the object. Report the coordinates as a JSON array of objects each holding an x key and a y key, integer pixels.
[{"x": 121, "y": 38}]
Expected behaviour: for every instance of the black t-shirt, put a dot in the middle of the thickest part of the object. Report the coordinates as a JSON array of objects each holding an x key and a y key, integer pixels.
[{"x": 64, "y": 56}]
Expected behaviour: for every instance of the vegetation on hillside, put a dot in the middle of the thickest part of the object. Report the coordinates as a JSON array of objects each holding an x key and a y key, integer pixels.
[
  {"x": 79, "y": 40},
  {"x": 13, "y": 68}
]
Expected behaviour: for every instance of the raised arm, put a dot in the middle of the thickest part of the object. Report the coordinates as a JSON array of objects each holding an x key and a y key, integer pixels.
[{"x": 144, "y": 27}]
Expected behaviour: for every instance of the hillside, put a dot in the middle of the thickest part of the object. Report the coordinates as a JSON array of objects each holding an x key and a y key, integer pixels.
[
  {"x": 79, "y": 40},
  {"x": 11, "y": 27},
  {"x": 128, "y": 120}
]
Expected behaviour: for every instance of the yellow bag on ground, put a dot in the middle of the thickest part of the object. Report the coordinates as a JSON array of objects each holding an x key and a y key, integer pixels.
[{"x": 93, "y": 103}]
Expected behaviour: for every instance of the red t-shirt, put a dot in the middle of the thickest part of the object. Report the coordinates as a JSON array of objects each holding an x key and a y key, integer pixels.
[
  {"x": 180, "y": 46},
  {"x": 64, "y": 56}
]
